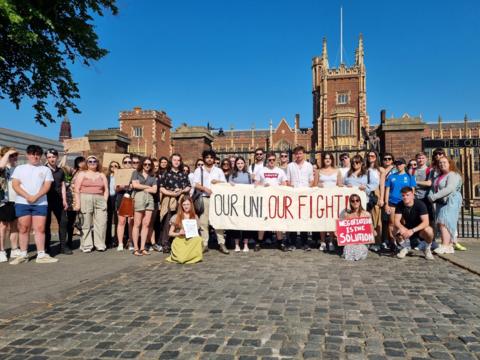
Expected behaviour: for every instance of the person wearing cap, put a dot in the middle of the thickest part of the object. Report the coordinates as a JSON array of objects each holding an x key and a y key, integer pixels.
[
  {"x": 57, "y": 203},
  {"x": 393, "y": 186},
  {"x": 31, "y": 182},
  {"x": 8, "y": 219},
  {"x": 91, "y": 196}
]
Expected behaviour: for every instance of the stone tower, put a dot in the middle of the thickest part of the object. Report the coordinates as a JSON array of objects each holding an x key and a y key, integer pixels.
[
  {"x": 65, "y": 130},
  {"x": 339, "y": 102}
]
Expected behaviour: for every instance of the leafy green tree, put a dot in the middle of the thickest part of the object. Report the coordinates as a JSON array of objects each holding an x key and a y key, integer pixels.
[{"x": 38, "y": 39}]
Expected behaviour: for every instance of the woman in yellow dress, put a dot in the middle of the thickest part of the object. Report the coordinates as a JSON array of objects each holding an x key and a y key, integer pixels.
[{"x": 183, "y": 250}]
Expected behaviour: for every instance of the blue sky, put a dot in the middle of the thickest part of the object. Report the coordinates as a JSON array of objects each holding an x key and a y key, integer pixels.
[{"x": 244, "y": 62}]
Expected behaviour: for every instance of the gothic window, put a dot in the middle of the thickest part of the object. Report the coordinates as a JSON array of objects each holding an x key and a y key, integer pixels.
[
  {"x": 343, "y": 127},
  {"x": 164, "y": 134},
  {"x": 342, "y": 98},
  {"x": 137, "y": 131}
]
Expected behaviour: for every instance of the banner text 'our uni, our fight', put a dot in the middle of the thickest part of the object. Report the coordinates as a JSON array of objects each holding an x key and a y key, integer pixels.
[{"x": 282, "y": 208}]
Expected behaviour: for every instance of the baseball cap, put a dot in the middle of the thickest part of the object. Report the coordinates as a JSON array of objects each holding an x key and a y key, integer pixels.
[{"x": 400, "y": 161}]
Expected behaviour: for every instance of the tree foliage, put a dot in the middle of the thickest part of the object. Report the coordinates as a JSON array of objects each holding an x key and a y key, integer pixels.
[{"x": 38, "y": 39}]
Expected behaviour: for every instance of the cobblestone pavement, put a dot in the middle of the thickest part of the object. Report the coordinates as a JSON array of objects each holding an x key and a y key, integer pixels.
[{"x": 266, "y": 305}]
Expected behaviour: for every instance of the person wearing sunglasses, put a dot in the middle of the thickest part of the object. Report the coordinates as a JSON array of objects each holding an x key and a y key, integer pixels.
[
  {"x": 387, "y": 235},
  {"x": 257, "y": 164},
  {"x": 271, "y": 175},
  {"x": 57, "y": 203},
  {"x": 344, "y": 164},
  {"x": 31, "y": 182},
  {"x": 8, "y": 219},
  {"x": 284, "y": 160},
  {"x": 355, "y": 210},
  {"x": 393, "y": 196},
  {"x": 144, "y": 185},
  {"x": 91, "y": 191},
  {"x": 121, "y": 191}
]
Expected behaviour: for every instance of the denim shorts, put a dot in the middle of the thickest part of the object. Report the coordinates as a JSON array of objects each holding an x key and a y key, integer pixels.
[{"x": 30, "y": 210}]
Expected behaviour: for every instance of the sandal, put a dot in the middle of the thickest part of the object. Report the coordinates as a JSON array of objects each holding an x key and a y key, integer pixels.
[
  {"x": 137, "y": 253},
  {"x": 144, "y": 252}
]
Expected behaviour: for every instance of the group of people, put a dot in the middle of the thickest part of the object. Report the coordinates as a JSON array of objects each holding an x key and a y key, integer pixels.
[{"x": 408, "y": 205}]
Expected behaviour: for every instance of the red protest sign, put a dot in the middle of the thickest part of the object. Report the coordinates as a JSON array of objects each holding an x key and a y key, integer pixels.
[{"x": 355, "y": 231}]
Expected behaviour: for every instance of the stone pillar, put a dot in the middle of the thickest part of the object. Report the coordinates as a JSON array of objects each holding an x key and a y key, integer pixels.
[
  {"x": 190, "y": 142},
  {"x": 401, "y": 136}
]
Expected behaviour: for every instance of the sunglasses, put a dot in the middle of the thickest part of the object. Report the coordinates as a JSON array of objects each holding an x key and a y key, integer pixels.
[
  {"x": 387, "y": 159},
  {"x": 114, "y": 166},
  {"x": 343, "y": 158},
  {"x": 92, "y": 161},
  {"x": 147, "y": 164},
  {"x": 272, "y": 159},
  {"x": 357, "y": 162},
  {"x": 199, "y": 164},
  {"x": 127, "y": 162},
  {"x": 136, "y": 162},
  {"x": 283, "y": 155},
  {"x": 412, "y": 164},
  {"x": 354, "y": 200},
  {"x": 258, "y": 154}
]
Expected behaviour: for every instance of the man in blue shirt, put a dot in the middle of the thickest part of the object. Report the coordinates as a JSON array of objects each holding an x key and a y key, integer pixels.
[{"x": 393, "y": 186}]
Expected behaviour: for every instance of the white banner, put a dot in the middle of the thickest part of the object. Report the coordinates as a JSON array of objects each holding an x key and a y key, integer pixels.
[{"x": 279, "y": 208}]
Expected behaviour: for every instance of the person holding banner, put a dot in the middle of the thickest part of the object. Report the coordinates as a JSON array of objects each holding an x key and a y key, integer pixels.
[
  {"x": 299, "y": 174},
  {"x": 240, "y": 175},
  {"x": 327, "y": 176},
  {"x": 204, "y": 177},
  {"x": 91, "y": 196},
  {"x": 185, "y": 249},
  {"x": 173, "y": 185},
  {"x": 412, "y": 223},
  {"x": 144, "y": 185},
  {"x": 271, "y": 175},
  {"x": 355, "y": 252},
  {"x": 123, "y": 220}
]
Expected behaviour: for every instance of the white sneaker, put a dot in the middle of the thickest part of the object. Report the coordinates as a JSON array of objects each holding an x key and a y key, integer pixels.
[
  {"x": 322, "y": 247},
  {"x": 331, "y": 247},
  {"x": 428, "y": 254},
  {"x": 449, "y": 249},
  {"x": 120, "y": 247},
  {"x": 3, "y": 256},
  {"x": 45, "y": 259},
  {"x": 402, "y": 253},
  {"x": 15, "y": 253},
  {"x": 19, "y": 260},
  {"x": 86, "y": 250},
  {"x": 131, "y": 248},
  {"x": 245, "y": 248},
  {"x": 440, "y": 250},
  {"x": 237, "y": 248}
]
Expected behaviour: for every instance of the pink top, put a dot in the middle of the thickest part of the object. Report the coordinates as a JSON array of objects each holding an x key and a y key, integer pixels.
[{"x": 92, "y": 186}]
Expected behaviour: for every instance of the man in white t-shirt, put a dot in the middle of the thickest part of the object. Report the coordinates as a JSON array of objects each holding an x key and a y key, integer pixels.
[
  {"x": 32, "y": 182},
  {"x": 299, "y": 174},
  {"x": 271, "y": 175},
  {"x": 258, "y": 165},
  {"x": 344, "y": 165},
  {"x": 203, "y": 178}
]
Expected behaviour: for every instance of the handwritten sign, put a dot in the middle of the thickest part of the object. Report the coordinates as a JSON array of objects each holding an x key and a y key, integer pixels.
[
  {"x": 355, "y": 231},
  {"x": 109, "y": 157},
  {"x": 278, "y": 208},
  {"x": 76, "y": 145},
  {"x": 191, "y": 228},
  {"x": 123, "y": 176}
]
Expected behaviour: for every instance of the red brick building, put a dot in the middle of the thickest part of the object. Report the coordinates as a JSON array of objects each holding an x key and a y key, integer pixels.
[
  {"x": 339, "y": 102},
  {"x": 148, "y": 130}
]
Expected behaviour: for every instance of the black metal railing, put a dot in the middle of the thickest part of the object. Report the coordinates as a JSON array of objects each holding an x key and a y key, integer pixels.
[{"x": 469, "y": 222}]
